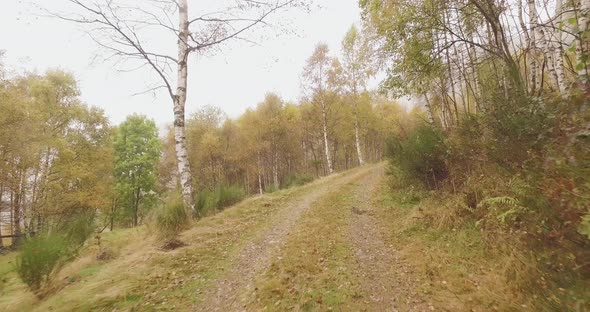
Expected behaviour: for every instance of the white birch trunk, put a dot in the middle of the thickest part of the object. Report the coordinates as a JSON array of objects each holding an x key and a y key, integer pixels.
[
  {"x": 184, "y": 170},
  {"x": 534, "y": 66},
  {"x": 357, "y": 138},
  {"x": 429, "y": 109},
  {"x": 276, "y": 171},
  {"x": 548, "y": 54},
  {"x": 260, "y": 190},
  {"x": 557, "y": 47},
  {"x": 583, "y": 7},
  {"x": 325, "y": 132}
]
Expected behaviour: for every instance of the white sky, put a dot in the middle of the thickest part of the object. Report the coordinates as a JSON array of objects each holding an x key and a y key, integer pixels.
[{"x": 234, "y": 79}]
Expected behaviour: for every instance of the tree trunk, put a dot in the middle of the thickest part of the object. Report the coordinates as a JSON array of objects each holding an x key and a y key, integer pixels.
[
  {"x": 17, "y": 213},
  {"x": 429, "y": 112},
  {"x": 1, "y": 216},
  {"x": 357, "y": 138},
  {"x": 184, "y": 170},
  {"x": 527, "y": 40},
  {"x": 548, "y": 49},
  {"x": 276, "y": 171},
  {"x": 534, "y": 66},
  {"x": 136, "y": 207},
  {"x": 260, "y": 191},
  {"x": 583, "y": 6},
  {"x": 325, "y": 133},
  {"x": 557, "y": 43},
  {"x": 113, "y": 207}
]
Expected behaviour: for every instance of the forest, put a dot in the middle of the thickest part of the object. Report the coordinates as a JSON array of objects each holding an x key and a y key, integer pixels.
[{"x": 481, "y": 185}]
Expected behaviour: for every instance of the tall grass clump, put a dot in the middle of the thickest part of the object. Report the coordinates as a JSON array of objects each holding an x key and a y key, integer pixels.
[
  {"x": 170, "y": 218},
  {"x": 297, "y": 180},
  {"x": 221, "y": 197}
]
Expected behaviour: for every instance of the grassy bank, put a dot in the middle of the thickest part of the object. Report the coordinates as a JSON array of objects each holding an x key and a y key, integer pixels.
[{"x": 463, "y": 267}]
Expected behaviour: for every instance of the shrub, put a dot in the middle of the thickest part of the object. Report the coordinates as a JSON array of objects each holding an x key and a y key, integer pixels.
[
  {"x": 420, "y": 155},
  {"x": 171, "y": 217},
  {"x": 40, "y": 257}
]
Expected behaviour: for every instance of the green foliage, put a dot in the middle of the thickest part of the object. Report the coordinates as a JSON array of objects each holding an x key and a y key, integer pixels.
[
  {"x": 223, "y": 196},
  {"x": 77, "y": 227},
  {"x": 171, "y": 217},
  {"x": 42, "y": 256},
  {"x": 420, "y": 155},
  {"x": 137, "y": 153},
  {"x": 39, "y": 257},
  {"x": 517, "y": 126},
  {"x": 505, "y": 209}
]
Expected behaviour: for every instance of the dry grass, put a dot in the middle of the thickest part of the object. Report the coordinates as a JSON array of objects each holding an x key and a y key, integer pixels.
[{"x": 140, "y": 275}]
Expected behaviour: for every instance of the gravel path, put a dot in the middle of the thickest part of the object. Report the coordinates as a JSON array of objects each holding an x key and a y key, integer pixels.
[
  {"x": 384, "y": 275},
  {"x": 255, "y": 258}
]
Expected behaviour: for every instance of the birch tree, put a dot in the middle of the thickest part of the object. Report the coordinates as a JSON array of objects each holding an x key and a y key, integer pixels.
[
  {"x": 317, "y": 74},
  {"x": 358, "y": 69},
  {"x": 126, "y": 28}
]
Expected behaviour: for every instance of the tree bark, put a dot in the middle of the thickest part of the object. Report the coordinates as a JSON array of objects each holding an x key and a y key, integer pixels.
[
  {"x": 325, "y": 133},
  {"x": 357, "y": 138},
  {"x": 429, "y": 109},
  {"x": 557, "y": 46},
  {"x": 179, "y": 105},
  {"x": 583, "y": 6},
  {"x": 260, "y": 190},
  {"x": 276, "y": 170},
  {"x": 534, "y": 66},
  {"x": 1, "y": 216}
]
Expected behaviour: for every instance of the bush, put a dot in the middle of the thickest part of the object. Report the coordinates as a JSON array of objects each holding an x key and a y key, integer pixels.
[
  {"x": 517, "y": 127},
  {"x": 171, "y": 218},
  {"x": 40, "y": 257},
  {"x": 420, "y": 155},
  {"x": 221, "y": 197}
]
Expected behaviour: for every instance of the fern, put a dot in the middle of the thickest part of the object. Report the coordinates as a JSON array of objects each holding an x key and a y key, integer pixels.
[
  {"x": 494, "y": 202},
  {"x": 505, "y": 208}
]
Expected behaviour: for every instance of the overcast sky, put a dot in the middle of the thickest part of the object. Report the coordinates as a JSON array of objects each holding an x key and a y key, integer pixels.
[{"x": 235, "y": 79}]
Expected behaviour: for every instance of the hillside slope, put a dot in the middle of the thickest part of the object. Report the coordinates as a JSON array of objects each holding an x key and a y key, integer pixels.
[{"x": 344, "y": 242}]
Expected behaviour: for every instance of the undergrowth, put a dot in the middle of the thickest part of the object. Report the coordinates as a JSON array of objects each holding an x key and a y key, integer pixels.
[
  {"x": 517, "y": 174},
  {"x": 210, "y": 201}
]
